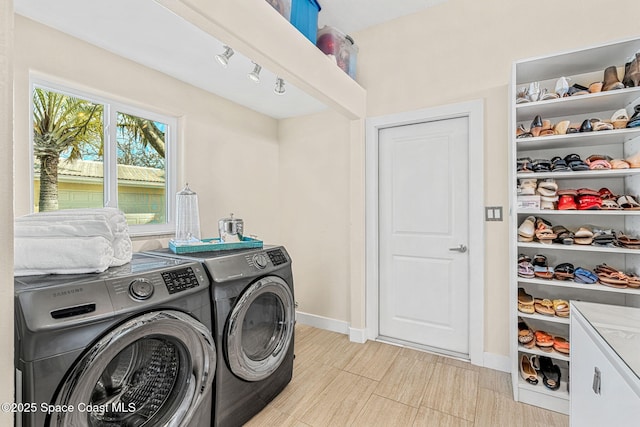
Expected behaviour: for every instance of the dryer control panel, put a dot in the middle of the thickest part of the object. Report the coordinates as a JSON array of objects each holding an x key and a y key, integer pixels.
[{"x": 180, "y": 280}]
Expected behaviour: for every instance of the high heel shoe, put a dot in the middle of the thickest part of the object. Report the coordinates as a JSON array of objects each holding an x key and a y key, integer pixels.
[
  {"x": 586, "y": 126},
  {"x": 562, "y": 86},
  {"x": 634, "y": 121},
  {"x": 536, "y": 126},
  {"x": 526, "y": 370},
  {"x": 611, "y": 81},
  {"x": 632, "y": 72}
]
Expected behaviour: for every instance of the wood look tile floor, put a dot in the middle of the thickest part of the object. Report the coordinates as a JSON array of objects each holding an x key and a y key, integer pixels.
[{"x": 340, "y": 383}]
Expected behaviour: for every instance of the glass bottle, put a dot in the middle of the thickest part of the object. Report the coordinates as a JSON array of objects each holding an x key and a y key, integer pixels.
[{"x": 187, "y": 216}]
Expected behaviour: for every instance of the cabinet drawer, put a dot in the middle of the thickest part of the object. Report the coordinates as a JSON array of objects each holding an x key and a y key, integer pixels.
[{"x": 599, "y": 394}]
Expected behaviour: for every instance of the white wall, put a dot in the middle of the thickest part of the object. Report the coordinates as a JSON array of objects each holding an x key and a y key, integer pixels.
[
  {"x": 6, "y": 207},
  {"x": 314, "y": 210},
  {"x": 457, "y": 51},
  {"x": 229, "y": 153},
  {"x": 463, "y": 50}
]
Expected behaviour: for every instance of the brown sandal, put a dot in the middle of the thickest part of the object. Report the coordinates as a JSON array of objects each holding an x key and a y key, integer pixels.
[{"x": 544, "y": 306}]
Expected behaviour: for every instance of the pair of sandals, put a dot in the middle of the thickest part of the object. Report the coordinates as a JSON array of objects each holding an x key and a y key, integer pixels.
[
  {"x": 575, "y": 163},
  {"x": 530, "y": 305},
  {"x": 531, "y": 366},
  {"x": 527, "y": 187},
  {"x": 627, "y": 202},
  {"x": 547, "y": 342},
  {"x": 612, "y": 277},
  {"x": 547, "y": 307},
  {"x": 584, "y": 276},
  {"x": 627, "y": 241}
]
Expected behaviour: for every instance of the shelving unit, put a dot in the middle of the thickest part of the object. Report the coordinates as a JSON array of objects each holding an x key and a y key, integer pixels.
[{"x": 582, "y": 67}]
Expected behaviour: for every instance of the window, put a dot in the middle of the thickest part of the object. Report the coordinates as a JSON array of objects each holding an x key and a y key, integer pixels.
[{"x": 92, "y": 152}]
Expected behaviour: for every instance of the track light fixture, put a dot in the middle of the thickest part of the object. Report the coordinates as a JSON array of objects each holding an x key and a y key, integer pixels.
[
  {"x": 255, "y": 74},
  {"x": 223, "y": 58},
  {"x": 279, "y": 89}
]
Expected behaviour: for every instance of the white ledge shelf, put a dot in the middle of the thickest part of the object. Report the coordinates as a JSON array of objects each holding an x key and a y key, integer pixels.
[
  {"x": 578, "y": 248},
  {"x": 254, "y": 28},
  {"x": 577, "y": 140},
  {"x": 596, "y": 287}
]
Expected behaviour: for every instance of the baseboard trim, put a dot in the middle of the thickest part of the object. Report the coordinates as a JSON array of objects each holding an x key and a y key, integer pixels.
[
  {"x": 497, "y": 362},
  {"x": 490, "y": 360},
  {"x": 358, "y": 335},
  {"x": 321, "y": 322}
]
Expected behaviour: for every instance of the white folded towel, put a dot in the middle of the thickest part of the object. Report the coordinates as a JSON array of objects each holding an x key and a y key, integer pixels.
[
  {"x": 57, "y": 228},
  {"x": 114, "y": 217},
  {"x": 61, "y": 255},
  {"x": 122, "y": 250},
  {"x": 108, "y": 223}
]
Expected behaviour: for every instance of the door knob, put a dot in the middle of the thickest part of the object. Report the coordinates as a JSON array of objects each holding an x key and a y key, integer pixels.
[{"x": 462, "y": 249}]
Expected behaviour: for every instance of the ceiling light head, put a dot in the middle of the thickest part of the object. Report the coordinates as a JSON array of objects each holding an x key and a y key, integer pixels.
[
  {"x": 223, "y": 58},
  {"x": 279, "y": 89},
  {"x": 255, "y": 74}
]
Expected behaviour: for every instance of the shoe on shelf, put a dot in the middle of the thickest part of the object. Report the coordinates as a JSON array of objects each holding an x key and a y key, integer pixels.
[
  {"x": 561, "y": 127},
  {"x": 634, "y": 121},
  {"x": 525, "y": 301},
  {"x": 586, "y": 126},
  {"x": 619, "y": 119},
  {"x": 550, "y": 372},
  {"x": 561, "y": 345},
  {"x": 562, "y": 87},
  {"x": 611, "y": 81},
  {"x": 595, "y": 87},
  {"x": 526, "y": 370},
  {"x": 525, "y": 335},
  {"x": 632, "y": 72},
  {"x": 536, "y": 126}
]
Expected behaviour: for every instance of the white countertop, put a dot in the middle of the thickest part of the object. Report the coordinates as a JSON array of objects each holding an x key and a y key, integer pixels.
[{"x": 619, "y": 326}]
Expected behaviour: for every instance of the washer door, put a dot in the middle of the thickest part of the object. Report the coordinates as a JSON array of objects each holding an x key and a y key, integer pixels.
[
  {"x": 260, "y": 329},
  {"x": 154, "y": 370}
]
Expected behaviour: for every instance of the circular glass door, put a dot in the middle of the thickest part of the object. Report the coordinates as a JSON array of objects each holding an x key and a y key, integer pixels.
[
  {"x": 260, "y": 329},
  {"x": 156, "y": 369}
]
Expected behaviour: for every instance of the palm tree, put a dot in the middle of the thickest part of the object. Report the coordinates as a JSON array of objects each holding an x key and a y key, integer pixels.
[
  {"x": 61, "y": 124},
  {"x": 71, "y": 127}
]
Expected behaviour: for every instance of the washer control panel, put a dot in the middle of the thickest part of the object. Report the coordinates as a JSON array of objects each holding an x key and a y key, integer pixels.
[
  {"x": 277, "y": 257},
  {"x": 141, "y": 289},
  {"x": 180, "y": 280},
  {"x": 260, "y": 260}
]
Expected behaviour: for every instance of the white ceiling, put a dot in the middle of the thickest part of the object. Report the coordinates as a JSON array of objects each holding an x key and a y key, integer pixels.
[
  {"x": 350, "y": 16},
  {"x": 147, "y": 33}
]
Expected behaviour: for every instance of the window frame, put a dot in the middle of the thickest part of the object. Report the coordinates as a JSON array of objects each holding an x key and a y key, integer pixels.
[{"x": 112, "y": 107}]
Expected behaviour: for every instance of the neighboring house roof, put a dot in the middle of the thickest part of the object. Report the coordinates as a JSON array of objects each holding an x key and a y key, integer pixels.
[{"x": 91, "y": 169}]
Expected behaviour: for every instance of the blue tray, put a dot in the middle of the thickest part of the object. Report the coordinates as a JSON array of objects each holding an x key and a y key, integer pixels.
[{"x": 215, "y": 244}]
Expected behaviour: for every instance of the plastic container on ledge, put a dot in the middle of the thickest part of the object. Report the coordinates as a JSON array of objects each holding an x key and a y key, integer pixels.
[
  {"x": 282, "y": 6},
  {"x": 340, "y": 47},
  {"x": 304, "y": 16}
]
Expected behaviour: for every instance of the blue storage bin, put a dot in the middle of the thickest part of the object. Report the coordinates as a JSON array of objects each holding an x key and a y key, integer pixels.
[{"x": 304, "y": 16}]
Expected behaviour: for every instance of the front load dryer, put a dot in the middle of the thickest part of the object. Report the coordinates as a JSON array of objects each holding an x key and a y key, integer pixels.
[
  {"x": 253, "y": 328},
  {"x": 128, "y": 347}
]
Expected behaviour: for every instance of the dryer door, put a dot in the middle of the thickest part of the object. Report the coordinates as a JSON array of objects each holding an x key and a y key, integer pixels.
[
  {"x": 260, "y": 329},
  {"x": 153, "y": 370}
]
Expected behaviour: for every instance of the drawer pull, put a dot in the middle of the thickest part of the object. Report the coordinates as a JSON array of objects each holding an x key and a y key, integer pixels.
[{"x": 597, "y": 380}]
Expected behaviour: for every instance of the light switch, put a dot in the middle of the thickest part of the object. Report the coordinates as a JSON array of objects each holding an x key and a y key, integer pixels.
[{"x": 493, "y": 213}]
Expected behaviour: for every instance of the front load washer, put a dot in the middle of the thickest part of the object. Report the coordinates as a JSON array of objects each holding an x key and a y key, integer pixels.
[
  {"x": 253, "y": 328},
  {"x": 128, "y": 347}
]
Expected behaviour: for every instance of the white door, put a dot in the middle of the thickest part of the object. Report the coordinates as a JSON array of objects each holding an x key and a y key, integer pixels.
[{"x": 423, "y": 233}]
